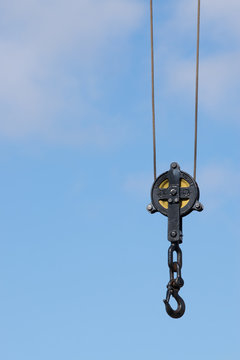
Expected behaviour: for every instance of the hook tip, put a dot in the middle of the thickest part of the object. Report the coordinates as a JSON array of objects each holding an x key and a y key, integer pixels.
[{"x": 175, "y": 314}]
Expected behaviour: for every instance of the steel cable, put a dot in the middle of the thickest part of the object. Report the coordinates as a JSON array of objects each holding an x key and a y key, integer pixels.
[
  {"x": 196, "y": 92},
  {"x": 153, "y": 94}
]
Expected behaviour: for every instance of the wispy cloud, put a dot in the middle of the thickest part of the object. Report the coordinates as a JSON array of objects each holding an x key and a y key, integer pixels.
[
  {"x": 49, "y": 53},
  {"x": 218, "y": 183},
  {"x": 219, "y": 55}
]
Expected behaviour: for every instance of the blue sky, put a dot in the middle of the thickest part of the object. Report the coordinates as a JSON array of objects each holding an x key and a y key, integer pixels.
[{"x": 83, "y": 266}]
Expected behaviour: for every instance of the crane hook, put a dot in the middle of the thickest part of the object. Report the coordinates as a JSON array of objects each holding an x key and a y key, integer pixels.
[{"x": 176, "y": 314}]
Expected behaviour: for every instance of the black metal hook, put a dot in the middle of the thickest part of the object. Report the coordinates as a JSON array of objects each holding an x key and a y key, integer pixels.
[{"x": 176, "y": 314}]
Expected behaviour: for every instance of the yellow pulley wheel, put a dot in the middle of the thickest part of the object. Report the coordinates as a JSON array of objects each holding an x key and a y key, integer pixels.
[
  {"x": 165, "y": 185},
  {"x": 184, "y": 192}
]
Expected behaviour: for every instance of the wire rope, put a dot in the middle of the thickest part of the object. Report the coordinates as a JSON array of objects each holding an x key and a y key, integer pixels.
[
  {"x": 196, "y": 92},
  {"x": 153, "y": 94}
]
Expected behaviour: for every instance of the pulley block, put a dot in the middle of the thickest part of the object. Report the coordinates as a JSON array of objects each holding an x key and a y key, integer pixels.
[{"x": 175, "y": 194}]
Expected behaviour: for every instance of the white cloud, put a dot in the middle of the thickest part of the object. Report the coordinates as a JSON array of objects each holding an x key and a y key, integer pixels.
[
  {"x": 37, "y": 37},
  {"x": 218, "y": 84},
  {"x": 218, "y": 183},
  {"x": 219, "y": 55}
]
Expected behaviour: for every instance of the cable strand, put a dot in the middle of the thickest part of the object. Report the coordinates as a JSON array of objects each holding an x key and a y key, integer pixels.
[
  {"x": 196, "y": 92},
  {"x": 153, "y": 94}
]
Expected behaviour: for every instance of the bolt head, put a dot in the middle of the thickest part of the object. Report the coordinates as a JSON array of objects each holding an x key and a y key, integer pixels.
[
  {"x": 176, "y": 200},
  {"x": 149, "y": 207},
  {"x": 173, "y": 234},
  {"x": 174, "y": 165},
  {"x": 173, "y": 192},
  {"x": 198, "y": 206},
  {"x": 170, "y": 201}
]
